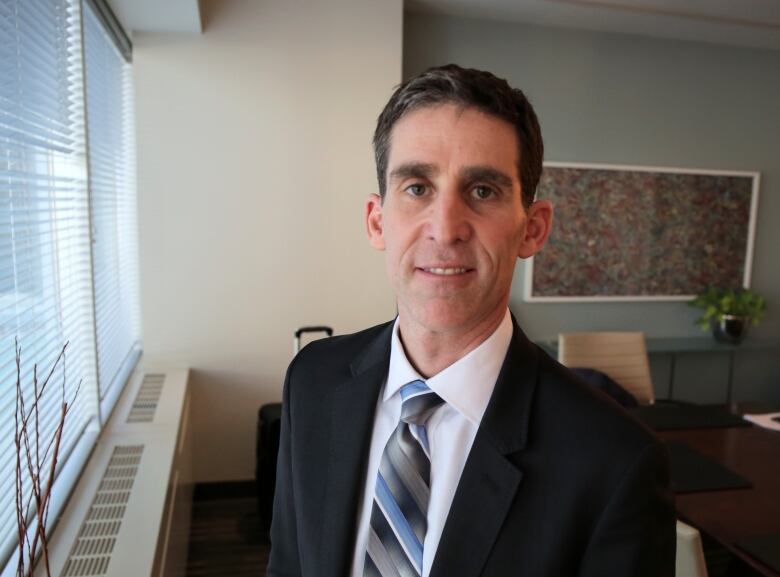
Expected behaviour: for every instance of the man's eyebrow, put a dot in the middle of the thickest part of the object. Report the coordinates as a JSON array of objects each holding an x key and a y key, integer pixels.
[
  {"x": 487, "y": 174},
  {"x": 413, "y": 170}
]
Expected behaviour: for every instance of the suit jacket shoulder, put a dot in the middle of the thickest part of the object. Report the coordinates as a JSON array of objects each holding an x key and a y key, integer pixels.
[
  {"x": 330, "y": 398},
  {"x": 323, "y": 360},
  {"x": 593, "y": 421},
  {"x": 560, "y": 481}
]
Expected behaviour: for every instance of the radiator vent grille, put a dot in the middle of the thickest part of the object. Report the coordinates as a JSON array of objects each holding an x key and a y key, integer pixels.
[
  {"x": 146, "y": 400},
  {"x": 92, "y": 550}
]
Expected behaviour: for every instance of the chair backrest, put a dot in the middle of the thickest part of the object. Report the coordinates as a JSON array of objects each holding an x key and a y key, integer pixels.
[
  {"x": 690, "y": 556},
  {"x": 621, "y": 355}
]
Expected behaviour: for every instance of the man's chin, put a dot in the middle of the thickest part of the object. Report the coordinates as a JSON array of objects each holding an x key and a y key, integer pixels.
[{"x": 441, "y": 317}]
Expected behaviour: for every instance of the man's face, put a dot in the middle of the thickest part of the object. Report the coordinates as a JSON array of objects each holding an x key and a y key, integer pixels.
[{"x": 452, "y": 221}]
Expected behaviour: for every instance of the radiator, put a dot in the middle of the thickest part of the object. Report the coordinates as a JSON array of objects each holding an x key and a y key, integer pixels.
[{"x": 129, "y": 515}]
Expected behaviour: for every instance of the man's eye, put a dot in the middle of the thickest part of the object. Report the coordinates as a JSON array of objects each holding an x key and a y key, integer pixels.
[
  {"x": 416, "y": 189},
  {"x": 482, "y": 192}
]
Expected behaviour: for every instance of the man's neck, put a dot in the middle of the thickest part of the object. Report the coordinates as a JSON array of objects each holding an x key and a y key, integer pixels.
[{"x": 431, "y": 351}]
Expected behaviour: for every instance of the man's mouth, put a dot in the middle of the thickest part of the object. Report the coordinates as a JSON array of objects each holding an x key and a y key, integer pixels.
[{"x": 449, "y": 271}]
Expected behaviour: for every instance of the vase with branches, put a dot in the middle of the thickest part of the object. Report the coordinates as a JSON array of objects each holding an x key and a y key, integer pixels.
[{"x": 36, "y": 463}]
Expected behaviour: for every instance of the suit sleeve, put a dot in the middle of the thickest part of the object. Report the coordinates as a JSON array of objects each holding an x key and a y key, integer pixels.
[
  {"x": 636, "y": 533},
  {"x": 284, "y": 559}
]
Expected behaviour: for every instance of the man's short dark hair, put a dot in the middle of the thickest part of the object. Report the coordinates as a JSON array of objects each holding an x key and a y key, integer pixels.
[{"x": 469, "y": 88}]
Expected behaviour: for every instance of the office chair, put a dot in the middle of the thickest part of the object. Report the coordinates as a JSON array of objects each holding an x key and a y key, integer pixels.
[{"x": 620, "y": 355}]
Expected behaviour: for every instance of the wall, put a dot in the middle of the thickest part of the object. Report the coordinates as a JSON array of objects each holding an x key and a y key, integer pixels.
[
  {"x": 621, "y": 99},
  {"x": 254, "y": 161}
]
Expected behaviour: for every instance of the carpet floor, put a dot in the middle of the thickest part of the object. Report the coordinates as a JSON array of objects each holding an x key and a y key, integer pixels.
[{"x": 226, "y": 538}]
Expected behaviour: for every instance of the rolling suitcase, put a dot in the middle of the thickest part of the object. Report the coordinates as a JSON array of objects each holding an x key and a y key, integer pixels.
[{"x": 267, "y": 447}]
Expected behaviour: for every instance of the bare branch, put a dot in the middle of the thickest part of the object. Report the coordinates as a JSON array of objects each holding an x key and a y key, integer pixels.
[{"x": 32, "y": 462}]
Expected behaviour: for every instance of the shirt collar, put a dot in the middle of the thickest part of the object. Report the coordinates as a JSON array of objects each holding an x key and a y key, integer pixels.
[{"x": 468, "y": 383}]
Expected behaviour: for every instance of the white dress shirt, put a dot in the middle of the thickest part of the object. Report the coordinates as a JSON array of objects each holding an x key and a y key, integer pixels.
[{"x": 466, "y": 387}]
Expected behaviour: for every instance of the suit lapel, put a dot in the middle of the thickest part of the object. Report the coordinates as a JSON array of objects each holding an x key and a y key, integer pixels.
[
  {"x": 490, "y": 480},
  {"x": 352, "y": 409},
  {"x": 485, "y": 492}
]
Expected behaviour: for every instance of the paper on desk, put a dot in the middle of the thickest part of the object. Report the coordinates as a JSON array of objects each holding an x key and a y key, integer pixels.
[{"x": 766, "y": 420}]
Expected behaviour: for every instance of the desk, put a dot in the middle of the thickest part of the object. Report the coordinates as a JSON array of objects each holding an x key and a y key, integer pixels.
[{"x": 731, "y": 515}]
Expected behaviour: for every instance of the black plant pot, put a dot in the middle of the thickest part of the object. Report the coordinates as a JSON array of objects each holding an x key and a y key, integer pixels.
[{"x": 731, "y": 329}]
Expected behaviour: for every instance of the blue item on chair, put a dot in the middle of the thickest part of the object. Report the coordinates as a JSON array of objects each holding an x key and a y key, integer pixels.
[{"x": 603, "y": 382}]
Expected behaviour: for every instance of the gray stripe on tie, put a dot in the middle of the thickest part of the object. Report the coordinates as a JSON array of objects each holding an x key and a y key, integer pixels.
[
  {"x": 419, "y": 408},
  {"x": 403, "y": 497},
  {"x": 379, "y": 555},
  {"x": 369, "y": 568},
  {"x": 395, "y": 550},
  {"x": 410, "y": 476},
  {"x": 413, "y": 452}
]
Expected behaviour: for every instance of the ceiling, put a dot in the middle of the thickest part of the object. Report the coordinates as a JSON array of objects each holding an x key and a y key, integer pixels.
[
  {"x": 750, "y": 23},
  {"x": 158, "y": 15}
]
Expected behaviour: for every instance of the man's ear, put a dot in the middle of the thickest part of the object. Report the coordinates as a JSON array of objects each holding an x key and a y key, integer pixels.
[
  {"x": 537, "y": 228},
  {"x": 374, "y": 229}
]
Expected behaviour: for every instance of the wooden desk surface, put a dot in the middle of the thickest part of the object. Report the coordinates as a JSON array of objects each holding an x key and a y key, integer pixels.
[{"x": 731, "y": 515}]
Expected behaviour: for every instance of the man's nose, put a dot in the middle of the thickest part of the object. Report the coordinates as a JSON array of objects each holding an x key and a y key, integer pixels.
[{"x": 448, "y": 221}]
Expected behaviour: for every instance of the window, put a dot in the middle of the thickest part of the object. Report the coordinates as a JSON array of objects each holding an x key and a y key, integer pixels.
[
  {"x": 68, "y": 241},
  {"x": 111, "y": 140}
]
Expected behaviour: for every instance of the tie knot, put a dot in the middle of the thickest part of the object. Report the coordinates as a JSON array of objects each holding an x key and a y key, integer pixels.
[{"x": 418, "y": 402}]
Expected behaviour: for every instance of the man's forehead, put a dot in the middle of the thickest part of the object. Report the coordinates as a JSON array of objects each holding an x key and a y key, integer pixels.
[{"x": 428, "y": 136}]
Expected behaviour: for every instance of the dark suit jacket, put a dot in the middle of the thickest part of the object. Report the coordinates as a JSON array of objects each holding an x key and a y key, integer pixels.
[{"x": 559, "y": 482}]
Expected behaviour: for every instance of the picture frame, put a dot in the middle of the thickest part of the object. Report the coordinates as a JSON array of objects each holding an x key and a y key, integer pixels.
[{"x": 643, "y": 233}]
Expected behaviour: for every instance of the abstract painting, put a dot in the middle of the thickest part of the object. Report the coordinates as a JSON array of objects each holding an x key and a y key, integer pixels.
[{"x": 643, "y": 233}]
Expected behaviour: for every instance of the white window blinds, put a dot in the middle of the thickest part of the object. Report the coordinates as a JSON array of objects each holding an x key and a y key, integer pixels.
[
  {"x": 68, "y": 237},
  {"x": 113, "y": 199},
  {"x": 45, "y": 284}
]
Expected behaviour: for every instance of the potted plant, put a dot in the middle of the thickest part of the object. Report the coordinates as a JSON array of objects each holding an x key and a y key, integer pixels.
[{"x": 728, "y": 312}]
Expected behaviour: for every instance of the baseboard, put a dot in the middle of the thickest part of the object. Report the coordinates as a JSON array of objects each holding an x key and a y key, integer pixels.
[{"x": 246, "y": 489}]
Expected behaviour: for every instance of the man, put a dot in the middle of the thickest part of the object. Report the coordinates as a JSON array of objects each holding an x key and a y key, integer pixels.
[{"x": 445, "y": 443}]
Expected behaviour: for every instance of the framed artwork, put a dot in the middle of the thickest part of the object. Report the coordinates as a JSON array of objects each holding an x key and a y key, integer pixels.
[{"x": 635, "y": 233}]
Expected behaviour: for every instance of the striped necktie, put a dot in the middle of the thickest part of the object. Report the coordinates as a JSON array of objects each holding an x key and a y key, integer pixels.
[{"x": 398, "y": 515}]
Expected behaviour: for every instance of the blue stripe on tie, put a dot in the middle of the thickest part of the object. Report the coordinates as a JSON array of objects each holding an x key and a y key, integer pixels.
[
  {"x": 412, "y": 511},
  {"x": 414, "y": 388},
  {"x": 422, "y": 436},
  {"x": 397, "y": 520}
]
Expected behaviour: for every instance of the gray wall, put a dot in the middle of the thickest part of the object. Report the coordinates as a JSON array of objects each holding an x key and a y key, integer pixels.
[{"x": 622, "y": 99}]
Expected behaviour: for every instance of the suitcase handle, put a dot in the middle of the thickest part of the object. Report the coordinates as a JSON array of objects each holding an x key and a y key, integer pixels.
[{"x": 317, "y": 329}]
